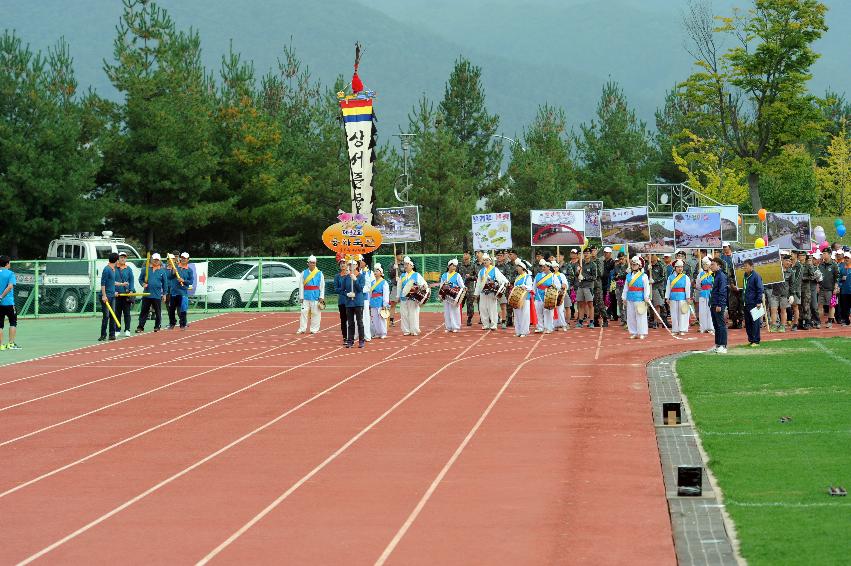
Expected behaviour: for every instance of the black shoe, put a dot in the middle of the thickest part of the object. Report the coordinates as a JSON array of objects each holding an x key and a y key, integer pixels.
[
  {"x": 605, "y": 323},
  {"x": 360, "y": 344},
  {"x": 469, "y": 321},
  {"x": 140, "y": 330},
  {"x": 111, "y": 338},
  {"x": 157, "y": 329},
  {"x": 348, "y": 345},
  {"x": 102, "y": 338}
]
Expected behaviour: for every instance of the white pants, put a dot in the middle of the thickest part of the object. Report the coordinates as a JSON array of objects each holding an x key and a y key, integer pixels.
[
  {"x": 637, "y": 323},
  {"x": 705, "y": 315},
  {"x": 679, "y": 321},
  {"x": 521, "y": 319},
  {"x": 489, "y": 311},
  {"x": 545, "y": 317},
  {"x": 451, "y": 315},
  {"x": 311, "y": 308},
  {"x": 410, "y": 311},
  {"x": 367, "y": 331},
  {"x": 378, "y": 324}
]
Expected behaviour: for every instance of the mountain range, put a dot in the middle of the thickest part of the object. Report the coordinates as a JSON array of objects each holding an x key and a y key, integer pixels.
[{"x": 534, "y": 51}]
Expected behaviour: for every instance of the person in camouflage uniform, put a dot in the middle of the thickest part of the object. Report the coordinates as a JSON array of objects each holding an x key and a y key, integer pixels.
[
  {"x": 469, "y": 271},
  {"x": 620, "y": 270},
  {"x": 734, "y": 302},
  {"x": 828, "y": 286},
  {"x": 795, "y": 281},
  {"x": 588, "y": 275},
  {"x": 808, "y": 275},
  {"x": 599, "y": 306}
]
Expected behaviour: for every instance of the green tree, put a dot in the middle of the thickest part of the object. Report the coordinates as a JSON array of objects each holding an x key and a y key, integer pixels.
[
  {"x": 540, "y": 174},
  {"x": 834, "y": 177},
  {"x": 616, "y": 154},
  {"x": 788, "y": 181},
  {"x": 464, "y": 113},
  {"x": 710, "y": 170},
  {"x": 48, "y": 162},
  {"x": 671, "y": 121},
  {"x": 753, "y": 96},
  {"x": 162, "y": 156}
]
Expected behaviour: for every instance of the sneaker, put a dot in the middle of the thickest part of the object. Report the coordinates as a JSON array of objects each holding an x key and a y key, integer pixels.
[
  {"x": 171, "y": 327},
  {"x": 591, "y": 325},
  {"x": 579, "y": 324},
  {"x": 2, "y": 347},
  {"x": 642, "y": 336},
  {"x": 102, "y": 338},
  {"x": 127, "y": 333},
  {"x": 829, "y": 324},
  {"x": 111, "y": 338},
  {"x": 13, "y": 346},
  {"x": 782, "y": 329},
  {"x": 156, "y": 329},
  {"x": 360, "y": 344},
  {"x": 712, "y": 350},
  {"x": 721, "y": 350},
  {"x": 633, "y": 336},
  {"x": 754, "y": 345}
]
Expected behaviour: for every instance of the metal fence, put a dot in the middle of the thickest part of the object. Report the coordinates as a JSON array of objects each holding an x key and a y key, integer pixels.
[{"x": 72, "y": 287}]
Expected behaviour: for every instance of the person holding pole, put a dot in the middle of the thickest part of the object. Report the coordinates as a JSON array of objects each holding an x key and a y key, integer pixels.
[
  {"x": 636, "y": 294},
  {"x": 156, "y": 286},
  {"x": 124, "y": 284},
  {"x": 182, "y": 279},
  {"x": 107, "y": 297}
]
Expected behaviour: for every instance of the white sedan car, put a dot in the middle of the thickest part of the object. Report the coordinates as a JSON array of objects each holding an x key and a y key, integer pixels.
[{"x": 237, "y": 284}]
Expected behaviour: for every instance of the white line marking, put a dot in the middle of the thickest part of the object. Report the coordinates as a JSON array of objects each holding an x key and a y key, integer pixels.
[
  {"x": 269, "y": 508},
  {"x": 209, "y": 457},
  {"x": 439, "y": 478},
  {"x": 830, "y": 352},
  {"x": 838, "y": 504},
  {"x": 599, "y": 344}
]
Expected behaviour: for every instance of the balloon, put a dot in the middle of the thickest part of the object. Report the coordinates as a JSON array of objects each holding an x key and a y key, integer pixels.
[
  {"x": 759, "y": 243},
  {"x": 740, "y": 220},
  {"x": 761, "y": 214},
  {"x": 824, "y": 245},
  {"x": 752, "y": 229},
  {"x": 838, "y": 222},
  {"x": 841, "y": 230},
  {"x": 820, "y": 237}
]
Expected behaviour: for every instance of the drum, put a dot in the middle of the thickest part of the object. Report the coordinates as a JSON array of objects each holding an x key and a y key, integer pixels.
[
  {"x": 384, "y": 313},
  {"x": 517, "y": 296},
  {"x": 414, "y": 292},
  {"x": 560, "y": 299},
  {"x": 491, "y": 287},
  {"x": 684, "y": 307},
  {"x": 322, "y": 304},
  {"x": 457, "y": 294},
  {"x": 550, "y": 298},
  {"x": 444, "y": 290},
  {"x": 641, "y": 308}
]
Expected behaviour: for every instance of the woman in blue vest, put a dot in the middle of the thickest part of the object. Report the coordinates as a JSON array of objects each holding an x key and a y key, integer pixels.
[
  {"x": 379, "y": 298},
  {"x": 678, "y": 295},
  {"x": 705, "y": 279},
  {"x": 636, "y": 294},
  {"x": 543, "y": 281},
  {"x": 521, "y": 315},
  {"x": 451, "y": 310}
]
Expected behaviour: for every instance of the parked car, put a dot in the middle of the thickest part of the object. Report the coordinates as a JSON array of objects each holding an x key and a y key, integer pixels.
[{"x": 236, "y": 284}]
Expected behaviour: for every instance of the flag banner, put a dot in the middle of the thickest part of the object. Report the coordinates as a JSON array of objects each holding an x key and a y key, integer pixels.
[
  {"x": 729, "y": 220},
  {"x": 790, "y": 231},
  {"x": 593, "y": 209},
  {"x": 625, "y": 225},
  {"x": 199, "y": 269},
  {"x": 492, "y": 231},
  {"x": 557, "y": 227},
  {"x": 766, "y": 262},
  {"x": 697, "y": 230},
  {"x": 398, "y": 225},
  {"x": 361, "y": 133},
  {"x": 661, "y": 237}
]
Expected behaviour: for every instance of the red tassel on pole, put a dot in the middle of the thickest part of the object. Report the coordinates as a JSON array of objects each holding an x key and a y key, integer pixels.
[
  {"x": 357, "y": 84},
  {"x": 533, "y": 314}
]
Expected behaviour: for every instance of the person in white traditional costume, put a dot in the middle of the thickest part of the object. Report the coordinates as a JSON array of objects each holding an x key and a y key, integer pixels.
[
  {"x": 379, "y": 299},
  {"x": 543, "y": 281},
  {"x": 705, "y": 279},
  {"x": 521, "y": 315},
  {"x": 451, "y": 308},
  {"x": 678, "y": 295},
  {"x": 559, "y": 320},
  {"x": 488, "y": 301},
  {"x": 410, "y": 308},
  {"x": 636, "y": 294},
  {"x": 369, "y": 280},
  {"x": 311, "y": 291}
]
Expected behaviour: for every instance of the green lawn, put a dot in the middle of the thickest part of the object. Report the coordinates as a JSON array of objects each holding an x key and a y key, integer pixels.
[{"x": 775, "y": 476}]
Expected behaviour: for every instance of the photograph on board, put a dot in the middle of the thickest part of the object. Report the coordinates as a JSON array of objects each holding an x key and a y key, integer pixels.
[
  {"x": 625, "y": 225},
  {"x": 729, "y": 220},
  {"x": 697, "y": 230},
  {"x": 557, "y": 227},
  {"x": 398, "y": 225},
  {"x": 789, "y": 231},
  {"x": 593, "y": 209},
  {"x": 661, "y": 237},
  {"x": 492, "y": 231},
  {"x": 766, "y": 262}
]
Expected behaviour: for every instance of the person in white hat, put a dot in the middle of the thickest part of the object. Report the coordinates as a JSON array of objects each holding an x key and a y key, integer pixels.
[
  {"x": 559, "y": 320},
  {"x": 678, "y": 295},
  {"x": 379, "y": 298},
  {"x": 369, "y": 281},
  {"x": 488, "y": 301},
  {"x": 705, "y": 280},
  {"x": 521, "y": 316},
  {"x": 154, "y": 281},
  {"x": 636, "y": 294},
  {"x": 451, "y": 309},
  {"x": 311, "y": 290},
  {"x": 409, "y": 308},
  {"x": 182, "y": 278},
  {"x": 543, "y": 281}
]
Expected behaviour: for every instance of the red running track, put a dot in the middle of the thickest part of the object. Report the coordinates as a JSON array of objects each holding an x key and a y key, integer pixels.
[{"x": 240, "y": 442}]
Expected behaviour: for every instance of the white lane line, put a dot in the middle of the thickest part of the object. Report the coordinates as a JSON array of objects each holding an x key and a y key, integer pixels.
[
  {"x": 137, "y": 369},
  {"x": 439, "y": 478},
  {"x": 830, "y": 352},
  {"x": 120, "y": 402},
  {"x": 124, "y": 354},
  {"x": 209, "y": 457},
  {"x": 599, "y": 344},
  {"x": 269, "y": 508}
]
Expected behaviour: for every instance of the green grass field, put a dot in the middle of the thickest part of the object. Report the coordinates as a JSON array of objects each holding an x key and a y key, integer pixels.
[{"x": 775, "y": 476}]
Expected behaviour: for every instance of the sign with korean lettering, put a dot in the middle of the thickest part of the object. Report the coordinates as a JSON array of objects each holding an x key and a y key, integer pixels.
[
  {"x": 360, "y": 140},
  {"x": 352, "y": 237},
  {"x": 492, "y": 231},
  {"x": 558, "y": 227}
]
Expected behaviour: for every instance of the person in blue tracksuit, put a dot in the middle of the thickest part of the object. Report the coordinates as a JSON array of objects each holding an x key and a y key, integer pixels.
[
  {"x": 124, "y": 283},
  {"x": 339, "y": 288},
  {"x": 753, "y": 293},
  {"x": 107, "y": 297},
  {"x": 353, "y": 286},
  {"x": 717, "y": 303},
  {"x": 7, "y": 303},
  {"x": 156, "y": 287},
  {"x": 182, "y": 279}
]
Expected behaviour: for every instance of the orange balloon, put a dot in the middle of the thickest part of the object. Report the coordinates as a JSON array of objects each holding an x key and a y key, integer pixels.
[
  {"x": 740, "y": 220},
  {"x": 761, "y": 214},
  {"x": 352, "y": 238}
]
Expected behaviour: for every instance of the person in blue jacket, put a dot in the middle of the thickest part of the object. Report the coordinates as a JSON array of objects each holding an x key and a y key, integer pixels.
[
  {"x": 182, "y": 279},
  {"x": 752, "y": 295},
  {"x": 353, "y": 286},
  {"x": 717, "y": 304},
  {"x": 107, "y": 297},
  {"x": 7, "y": 303},
  {"x": 156, "y": 287},
  {"x": 339, "y": 288},
  {"x": 124, "y": 283}
]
